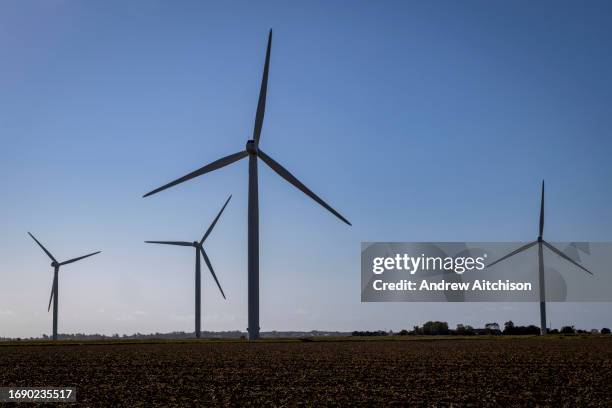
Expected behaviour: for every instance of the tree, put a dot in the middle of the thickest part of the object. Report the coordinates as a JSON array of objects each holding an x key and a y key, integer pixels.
[
  {"x": 370, "y": 333},
  {"x": 510, "y": 328},
  {"x": 464, "y": 330},
  {"x": 568, "y": 330},
  {"x": 605, "y": 330},
  {"x": 435, "y": 328}
]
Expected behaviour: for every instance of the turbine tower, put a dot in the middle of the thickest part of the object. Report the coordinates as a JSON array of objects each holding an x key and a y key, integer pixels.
[
  {"x": 199, "y": 250},
  {"x": 254, "y": 152},
  {"x": 541, "y": 243},
  {"x": 55, "y": 287}
]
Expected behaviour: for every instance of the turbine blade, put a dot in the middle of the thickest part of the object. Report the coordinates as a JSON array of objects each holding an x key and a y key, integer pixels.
[
  {"x": 179, "y": 243},
  {"x": 542, "y": 211},
  {"x": 284, "y": 173},
  {"x": 521, "y": 249},
  {"x": 43, "y": 248},
  {"x": 52, "y": 293},
  {"x": 261, "y": 104},
  {"x": 79, "y": 258},
  {"x": 209, "y": 230},
  {"x": 211, "y": 270},
  {"x": 567, "y": 258},
  {"x": 208, "y": 168}
]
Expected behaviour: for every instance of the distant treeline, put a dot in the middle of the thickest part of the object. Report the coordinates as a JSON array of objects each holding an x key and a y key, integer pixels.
[
  {"x": 429, "y": 328},
  {"x": 136, "y": 336},
  {"x": 435, "y": 328},
  {"x": 178, "y": 335}
]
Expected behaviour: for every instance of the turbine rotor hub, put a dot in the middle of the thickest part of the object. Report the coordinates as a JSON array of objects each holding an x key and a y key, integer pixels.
[
  {"x": 196, "y": 244},
  {"x": 54, "y": 264},
  {"x": 251, "y": 147}
]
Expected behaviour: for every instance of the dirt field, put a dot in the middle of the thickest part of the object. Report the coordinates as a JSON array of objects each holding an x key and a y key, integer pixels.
[{"x": 492, "y": 372}]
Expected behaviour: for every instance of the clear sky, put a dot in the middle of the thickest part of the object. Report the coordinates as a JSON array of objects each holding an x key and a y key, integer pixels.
[{"x": 427, "y": 121}]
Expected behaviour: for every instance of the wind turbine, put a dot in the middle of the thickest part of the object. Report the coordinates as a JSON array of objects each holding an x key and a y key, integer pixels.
[
  {"x": 55, "y": 288},
  {"x": 253, "y": 152},
  {"x": 199, "y": 249},
  {"x": 541, "y": 243}
]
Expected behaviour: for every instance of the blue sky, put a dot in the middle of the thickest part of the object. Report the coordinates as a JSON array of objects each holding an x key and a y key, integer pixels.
[{"x": 417, "y": 121}]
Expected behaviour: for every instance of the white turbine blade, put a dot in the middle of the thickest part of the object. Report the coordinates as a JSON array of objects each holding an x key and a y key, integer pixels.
[
  {"x": 179, "y": 243},
  {"x": 43, "y": 248},
  {"x": 209, "y": 230},
  {"x": 79, "y": 258},
  {"x": 263, "y": 90},
  {"x": 52, "y": 291},
  {"x": 567, "y": 258},
  {"x": 521, "y": 249},
  {"x": 203, "y": 170},
  {"x": 284, "y": 173},
  {"x": 212, "y": 271},
  {"x": 542, "y": 211}
]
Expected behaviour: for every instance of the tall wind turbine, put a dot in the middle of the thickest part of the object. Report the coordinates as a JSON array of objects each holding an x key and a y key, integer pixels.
[
  {"x": 55, "y": 288},
  {"x": 253, "y": 152},
  {"x": 541, "y": 243},
  {"x": 199, "y": 249}
]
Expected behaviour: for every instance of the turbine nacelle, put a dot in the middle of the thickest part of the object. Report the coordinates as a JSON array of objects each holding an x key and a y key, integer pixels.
[
  {"x": 196, "y": 244},
  {"x": 251, "y": 147},
  {"x": 54, "y": 264}
]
